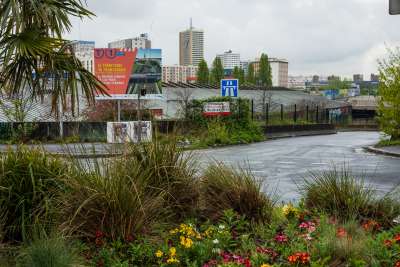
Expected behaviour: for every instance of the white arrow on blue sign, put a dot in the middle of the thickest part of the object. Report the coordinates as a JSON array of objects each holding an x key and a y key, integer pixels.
[{"x": 230, "y": 87}]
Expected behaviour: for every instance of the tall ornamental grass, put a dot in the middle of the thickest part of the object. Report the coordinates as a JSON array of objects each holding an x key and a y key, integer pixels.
[
  {"x": 224, "y": 188},
  {"x": 30, "y": 181},
  {"x": 172, "y": 171},
  {"x": 340, "y": 193},
  {"x": 152, "y": 183}
]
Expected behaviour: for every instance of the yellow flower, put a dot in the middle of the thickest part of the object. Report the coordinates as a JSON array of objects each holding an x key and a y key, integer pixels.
[
  {"x": 265, "y": 265},
  {"x": 159, "y": 254},
  {"x": 186, "y": 242},
  {"x": 289, "y": 210},
  {"x": 172, "y": 251},
  {"x": 172, "y": 260}
]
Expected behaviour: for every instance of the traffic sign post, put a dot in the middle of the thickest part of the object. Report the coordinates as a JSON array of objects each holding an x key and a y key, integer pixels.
[{"x": 230, "y": 87}]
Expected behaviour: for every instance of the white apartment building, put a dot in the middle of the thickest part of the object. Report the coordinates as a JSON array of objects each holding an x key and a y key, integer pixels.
[
  {"x": 142, "y": 41},
  {"x": 191, "y": 47},
  {"x": 279, "y": 71},
  {"x": 84, "y": 51},
  {"x": 230, "y": 60},
  {"x": 179, "y": 74}
]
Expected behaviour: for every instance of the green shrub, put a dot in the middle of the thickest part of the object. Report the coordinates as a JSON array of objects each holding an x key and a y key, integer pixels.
[
  {"x": 339, "y": 193},
  {"x": 224, "y": 188},
  {"x": 217, "y": 134},
  {"x": 30, "y": 181},
  {"x": 48, "y": 252}
]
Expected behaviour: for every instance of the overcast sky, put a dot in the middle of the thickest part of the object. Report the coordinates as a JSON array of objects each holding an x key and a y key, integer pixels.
[{"x": 316, "y": 36}]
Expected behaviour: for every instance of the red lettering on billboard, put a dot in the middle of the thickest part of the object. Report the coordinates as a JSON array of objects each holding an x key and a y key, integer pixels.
[{"x": 113, "y": 67}]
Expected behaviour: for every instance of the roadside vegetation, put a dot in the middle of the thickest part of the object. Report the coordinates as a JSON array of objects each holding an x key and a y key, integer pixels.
[
  {"x": 389, "y": 91},
  {"x": 237, "y": 128},
  {"x": 154, "y": 206},
  {"x": 385, "y": 143}
]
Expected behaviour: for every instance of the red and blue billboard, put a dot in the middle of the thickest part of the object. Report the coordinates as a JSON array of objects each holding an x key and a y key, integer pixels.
[{"x": 128, "y": 73}]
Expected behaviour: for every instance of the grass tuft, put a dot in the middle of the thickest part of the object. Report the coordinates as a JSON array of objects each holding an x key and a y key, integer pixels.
[
  {"x": 224, "y": 188},
  {"x": 30, "y": 181},
  {"x": 339, "y": 193}
]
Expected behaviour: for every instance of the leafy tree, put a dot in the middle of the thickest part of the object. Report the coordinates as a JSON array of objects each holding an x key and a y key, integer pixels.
[
  {"x": 264, "y": 77},
  {"x": 389, "y": 91},
  {"x": 251, "y": 78},
  {"x": 36, "y": 58},
  {"x": 203, "y": 73},
  {"x": 238, "y": 73},
  {"x": 217, "y": 72}
]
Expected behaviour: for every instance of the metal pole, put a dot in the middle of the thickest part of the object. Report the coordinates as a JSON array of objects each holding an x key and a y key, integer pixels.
[
  {"x": 118, "y": 110},
  {"x": 316, "y": 117},
  {"x": 139, "y": 120},
  {"x": 281, "y": 112},
  {"x": 295, "y": 113},
  {"x": 267, "y": 115},
  {"x": 307, "y": 113},
  {"x": 61, "y": 125}
]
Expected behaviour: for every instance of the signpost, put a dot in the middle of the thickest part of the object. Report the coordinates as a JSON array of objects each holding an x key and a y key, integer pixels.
[{"x": 230, "y": 87}]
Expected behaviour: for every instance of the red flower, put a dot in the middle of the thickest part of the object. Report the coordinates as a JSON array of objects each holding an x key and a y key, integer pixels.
[
  {"x": 99, "y": 234},
  {"x": 281, "y": 238},
  {"x": 397, "y": 264}
]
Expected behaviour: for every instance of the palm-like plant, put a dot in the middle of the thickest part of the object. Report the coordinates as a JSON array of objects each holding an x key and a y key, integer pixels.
[{"x": 35, "y": 57}]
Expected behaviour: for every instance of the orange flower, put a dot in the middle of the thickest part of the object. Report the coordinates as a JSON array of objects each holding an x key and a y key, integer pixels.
[
  {"x": 397, "y": 264},
  {"x": 299, "y": 258},
  {"x": 397, "y": 238},
  {"x": 341, "y": 232},
  {"x": 371, "y": 225},
  {"x": 293, "y": 259},
  {"x": 388, "y": 243}
]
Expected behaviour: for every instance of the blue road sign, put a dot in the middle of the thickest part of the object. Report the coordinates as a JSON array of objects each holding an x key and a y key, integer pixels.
[{"x": 230, "y": 87}]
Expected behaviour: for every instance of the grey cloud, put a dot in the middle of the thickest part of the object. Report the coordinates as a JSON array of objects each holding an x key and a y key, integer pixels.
[{"x": 313, "y": 35}]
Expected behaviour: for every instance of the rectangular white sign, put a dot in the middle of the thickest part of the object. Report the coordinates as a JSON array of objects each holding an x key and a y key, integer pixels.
[{"x": 128, "y": 132}]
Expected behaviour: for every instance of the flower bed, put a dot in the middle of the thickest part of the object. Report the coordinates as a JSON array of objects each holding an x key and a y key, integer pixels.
[{"x": 295, "y": 237}]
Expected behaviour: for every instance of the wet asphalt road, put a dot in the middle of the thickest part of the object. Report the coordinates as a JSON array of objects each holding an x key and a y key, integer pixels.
[{"x": 284, "y": 163}]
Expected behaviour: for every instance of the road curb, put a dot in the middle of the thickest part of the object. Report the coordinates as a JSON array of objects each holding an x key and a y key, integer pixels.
[
  {"x": 299, "y": 134},
  {"x": 381, "y": 151}
]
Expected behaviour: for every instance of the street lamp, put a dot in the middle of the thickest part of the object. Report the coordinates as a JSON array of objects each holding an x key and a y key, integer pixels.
[{"x": 394, "y": 7}]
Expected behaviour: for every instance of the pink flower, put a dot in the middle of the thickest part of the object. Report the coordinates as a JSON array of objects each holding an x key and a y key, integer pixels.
[
  {"x": 281, "y": 238},
  {"x": 309, "y": 226}
]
